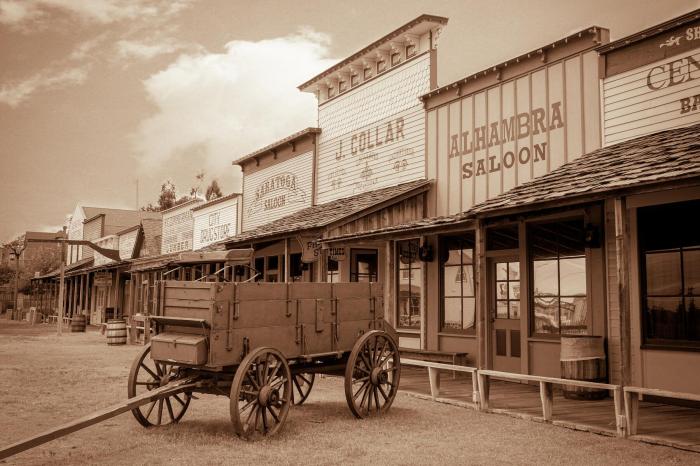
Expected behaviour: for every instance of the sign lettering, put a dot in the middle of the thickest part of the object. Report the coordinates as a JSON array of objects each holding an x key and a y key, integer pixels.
[{"x": 275, "y": 192}]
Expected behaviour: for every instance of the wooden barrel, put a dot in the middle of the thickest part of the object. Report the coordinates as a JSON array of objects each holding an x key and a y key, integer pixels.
[
  {"x": 583, "y": 358},
  {"x": 116, "y": 332},
  {"x": 77, "y": 323}
]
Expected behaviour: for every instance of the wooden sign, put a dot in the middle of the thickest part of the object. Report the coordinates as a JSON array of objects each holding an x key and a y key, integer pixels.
[
  {"x": 103, "y": 279},
  {"x": 310, "y": 249},
  {"x": 337, "y": 254}
]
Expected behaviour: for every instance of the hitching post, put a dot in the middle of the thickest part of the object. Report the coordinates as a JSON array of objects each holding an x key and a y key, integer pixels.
[{"x": 61, "y": 286}]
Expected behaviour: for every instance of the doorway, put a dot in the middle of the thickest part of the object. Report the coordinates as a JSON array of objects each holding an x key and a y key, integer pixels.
[{"x": 505, "y": 312}]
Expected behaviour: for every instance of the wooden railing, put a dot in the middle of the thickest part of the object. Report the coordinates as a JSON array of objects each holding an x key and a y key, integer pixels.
[
  {"x": 434, "y": 375},
  {"x": 632, "y": 402}
]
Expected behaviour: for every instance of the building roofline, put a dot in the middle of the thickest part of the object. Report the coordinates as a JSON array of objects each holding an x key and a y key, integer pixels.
[
  {"x": 184, "y": 204},
  {"x": 128, "y": 229},
  {"x": 216, "y": 201},
  {"x": 649, "y": 32},
  {"x": 524, "y": 56},
  {"x": 88, "y": 220},
  {"x": 276, "y": 145},
  {"x": 420, "y": 19}
]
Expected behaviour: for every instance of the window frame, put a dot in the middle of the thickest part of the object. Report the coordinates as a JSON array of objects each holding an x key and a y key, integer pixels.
[
  {"x": 531, "y": 281},
  {"x": 444, "y": 248},
  {"x": 679, "y": 247},
  {"x": 354, "y": 274},
  {"x": 400, "y": 268}
]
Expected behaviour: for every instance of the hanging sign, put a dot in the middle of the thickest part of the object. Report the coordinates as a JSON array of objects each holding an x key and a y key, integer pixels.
[
  {"x": 310, "y": 248},
  {"x": 337, "y": 254}
]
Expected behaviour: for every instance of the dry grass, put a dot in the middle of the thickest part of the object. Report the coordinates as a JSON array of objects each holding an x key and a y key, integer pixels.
[{"x": 46, "y": 380}]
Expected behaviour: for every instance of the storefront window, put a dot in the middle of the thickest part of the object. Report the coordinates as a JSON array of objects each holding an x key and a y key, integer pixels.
[
  {"x": 670, "y": 274},
  {"x": 363, "y": 267},
  {"x": 332, "y": 271},
  {"x": 557, "y": 254},
  {"x": 457, "y": 290},
  {"x": 409, "y": 284}
]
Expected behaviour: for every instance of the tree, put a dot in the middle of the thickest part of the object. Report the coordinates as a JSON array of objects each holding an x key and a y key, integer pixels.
[
  {"x": 194, "y": 192},
  {"x": 167, "y": 196},
  {"x": 213, "y": 190}
]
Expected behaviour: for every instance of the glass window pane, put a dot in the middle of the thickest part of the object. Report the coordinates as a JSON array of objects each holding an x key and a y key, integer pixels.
[
  {"x": 545, "y": 278},
  {"x": 453, "y": 314},
  {"x": 514, "y": 270},
  {"x": 501, "y": 271},
  {"x": 502, "y": 309},
  {"x": 467, "y": 277},
  {"x": 573, "y": 276},
  {"x": 409, "y": 316},
  {"x": 452, "y": 283},
  {"x": 468, "y": 312},
  {"x": 693, "y": 318},
  {"x": 514, "y": 309},
  {"x": 573, "y": 315},
  {"x": 691, "y": 272},
  {"x": 663, "y": 273},
  {"x": 501, "y": 290},
  {"x": 546, "y": 320},
  {"x": 664, "y": 319},
  {"x": 514, "y": 290}
]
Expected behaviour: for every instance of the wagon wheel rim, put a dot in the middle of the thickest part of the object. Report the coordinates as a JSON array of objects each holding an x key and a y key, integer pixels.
[
  {"x": 146, "y": 375},
  {"x": 261, "y": 394},
  {"x": 372, "y": 374},
  {"x": 302, "y": 384}
]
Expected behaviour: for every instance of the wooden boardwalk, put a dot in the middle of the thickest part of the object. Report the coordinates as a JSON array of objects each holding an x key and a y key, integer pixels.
[{"x": 658, "y": 423}]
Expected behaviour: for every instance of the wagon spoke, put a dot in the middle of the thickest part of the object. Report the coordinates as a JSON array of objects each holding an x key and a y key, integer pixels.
[
  {"x": 357, "y": 393},
  {"x": 376, "y": 398},
  {"x": 153, "y": 374},
  {"x": 264, "y": 419},
  {"x": 360, "y": 379},
  {"x": 381, "y": 390},
  {"x": 301, "y": 376},
  {"x": 252, "y": 381},
  {"x": 278, "y": 382},
  {"x": 150, "y": 410},
  {"x": 274, "y": 415},
  {"x": 179, "y": 400},
  {"x": 170, "y": 410},
  {"x": 274, "y": 372},
  {"x": 160, "y": 411}
]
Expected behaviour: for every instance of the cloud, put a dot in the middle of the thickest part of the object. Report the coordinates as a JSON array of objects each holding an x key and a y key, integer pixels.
[
  {"x": 20, "y": 12},
  {"x": 16, "y": 93},
  {"x": 141, "y": 50},
  {"x": 220, "y": 106}
]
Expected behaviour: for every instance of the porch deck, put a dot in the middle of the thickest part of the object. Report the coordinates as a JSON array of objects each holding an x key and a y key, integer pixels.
[{"x": 663, "y": 424}]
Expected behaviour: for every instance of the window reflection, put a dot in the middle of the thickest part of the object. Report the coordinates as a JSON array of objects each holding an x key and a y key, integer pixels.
[
  {"x": 458, "y": 303},
  {"x": 410, "y": 284}
]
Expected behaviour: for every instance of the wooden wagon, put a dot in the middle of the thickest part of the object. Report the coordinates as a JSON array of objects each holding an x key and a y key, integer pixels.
[{"x": 261, "y": 344}]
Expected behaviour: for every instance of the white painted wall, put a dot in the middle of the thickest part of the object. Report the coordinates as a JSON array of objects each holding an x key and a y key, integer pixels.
[
  {"x": 215, "y": 223},
  {"x": 374, "y": 136},
  {"x": 277, "y": 191}
]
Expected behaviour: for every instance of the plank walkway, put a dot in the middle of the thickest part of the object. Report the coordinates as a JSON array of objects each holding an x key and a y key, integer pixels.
[{"x": 669, "y": 425}]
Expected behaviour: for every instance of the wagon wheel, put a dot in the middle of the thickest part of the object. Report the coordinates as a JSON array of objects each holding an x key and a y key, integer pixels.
[
  {"x": 147, "y": 374},
  {"x": 261, "y": 394},
  {"x": 372, "y": 374},
  {"x": 301, "y": 387}
]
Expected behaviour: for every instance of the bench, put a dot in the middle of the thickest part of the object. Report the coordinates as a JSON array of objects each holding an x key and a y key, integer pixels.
[
  {"x": 456, "y": 359},
  {"x": 632, "y": 402}
]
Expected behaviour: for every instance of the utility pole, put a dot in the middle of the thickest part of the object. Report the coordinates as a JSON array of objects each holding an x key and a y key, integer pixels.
[
  {"x": 16, "y": 248},
  {"x": 61, "y": 285}
]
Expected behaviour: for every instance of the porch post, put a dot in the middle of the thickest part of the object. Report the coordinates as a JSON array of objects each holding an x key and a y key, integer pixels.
[
  {"x": 621, "y": 253},
  {"x": 482, "y": 314}
]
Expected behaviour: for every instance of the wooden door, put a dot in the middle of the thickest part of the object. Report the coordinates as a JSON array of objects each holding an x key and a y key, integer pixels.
[
  {"x": 100, "y": 304},
  {"x": 504, "y": 281}
]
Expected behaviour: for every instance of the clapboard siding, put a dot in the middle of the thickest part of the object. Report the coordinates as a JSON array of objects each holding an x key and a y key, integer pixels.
[
  {"x": 483, "y": 149},
  {"x": 374, "y": 136},
  {"x": 645, "y": 99},
  {"x": 401, "y": 212},
  {"x": 262, "y": 205},
  {"x": 215, "y": 223},
  {"x": 91, "y": 231},
  {"x": 127, "y": 241},
  {"x": 178, "y": 227}
]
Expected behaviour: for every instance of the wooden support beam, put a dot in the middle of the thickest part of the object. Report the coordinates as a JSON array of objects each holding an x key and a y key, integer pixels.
[
  {"x": 481, "y": 293},
  {"x": 547, "y": 398},
  {"x": 631, "y": 412},
  {"x": 475, "y": 389},
  {"x": 434, "y": 377},
  {"x": 620, "y": 418},
  {"x": 621, "y": 255},
  {"x": 483, "y": 390}
]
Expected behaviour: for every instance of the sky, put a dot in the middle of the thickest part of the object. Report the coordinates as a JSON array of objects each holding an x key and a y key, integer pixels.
[{"x": 101, "y": 101}]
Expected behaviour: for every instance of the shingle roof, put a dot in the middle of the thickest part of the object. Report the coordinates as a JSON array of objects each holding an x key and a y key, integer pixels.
[
  {"x": 277, "y": 144},
  {"x": 664, "y": 156},
  {"x": 322, "y": 215},
  {"x": 667, "y": 155}
]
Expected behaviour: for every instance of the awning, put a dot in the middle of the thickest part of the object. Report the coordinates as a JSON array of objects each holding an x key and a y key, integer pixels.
[{"x": 317, "y": 217}]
